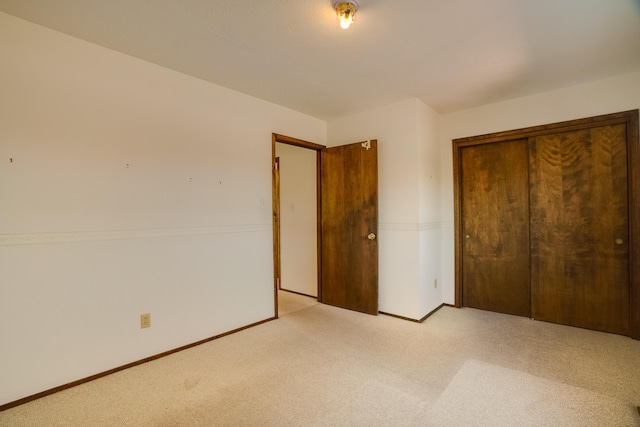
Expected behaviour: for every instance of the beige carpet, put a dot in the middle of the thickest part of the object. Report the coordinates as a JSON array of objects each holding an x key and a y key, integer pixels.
[
  {"x": 289, "y": 302},
  {"x": 322, "y": 366},
  {"x": 483, "y": 394}
]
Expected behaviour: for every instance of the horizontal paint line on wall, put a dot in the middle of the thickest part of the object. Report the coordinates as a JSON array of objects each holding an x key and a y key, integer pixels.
[
  {"x": 88, "y": 236},
  {"x": 416, "y": 226}
]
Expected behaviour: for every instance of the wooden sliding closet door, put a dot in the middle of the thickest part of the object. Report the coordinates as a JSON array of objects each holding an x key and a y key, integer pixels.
[
  {"x": 580, "y": 228},
  {"x": 495, "y": 227}
]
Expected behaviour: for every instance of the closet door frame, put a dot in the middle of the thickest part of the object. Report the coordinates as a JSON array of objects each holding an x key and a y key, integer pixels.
[{"x": 631, "y": 120}]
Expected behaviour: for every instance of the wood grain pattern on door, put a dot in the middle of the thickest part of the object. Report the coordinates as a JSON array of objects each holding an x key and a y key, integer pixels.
[
  {"x": 580, "y": 229},
  {"x": 584, "y": 198},
  {"x": 495, "y": 227},
  {"x": 349, "y": 206}
]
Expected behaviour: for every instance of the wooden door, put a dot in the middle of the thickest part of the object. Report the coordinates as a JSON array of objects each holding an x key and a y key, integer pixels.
[
  {"x": 349, "y": 243},
  {"x": 495, "y": 227},
  {"x": 584, "y": 203},
  {"x": 580, "y": 228}
]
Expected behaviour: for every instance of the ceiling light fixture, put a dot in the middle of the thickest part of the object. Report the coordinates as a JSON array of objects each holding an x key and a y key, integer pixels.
[{"x": 346, "y": 11}]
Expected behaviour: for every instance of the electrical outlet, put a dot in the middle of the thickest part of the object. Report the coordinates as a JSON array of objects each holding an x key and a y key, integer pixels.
[
  {"x": 435, "y": 283},
  {"x": 145, "y": 320}
]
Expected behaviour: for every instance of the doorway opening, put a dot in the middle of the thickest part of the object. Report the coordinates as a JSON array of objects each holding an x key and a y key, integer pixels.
[
  {"x": 346, "y": 223},
  {"x": 294, "y": 219}
]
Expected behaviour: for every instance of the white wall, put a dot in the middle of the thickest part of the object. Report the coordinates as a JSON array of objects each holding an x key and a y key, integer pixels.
[
  {"x": 612, "y": 95},
  {"x": 430, "y": 223},
  {"x": 298, "y": 219},
  {"x": 125, "y": 188}
]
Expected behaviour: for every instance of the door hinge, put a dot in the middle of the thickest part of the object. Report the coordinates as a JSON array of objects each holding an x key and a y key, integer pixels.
[{"x": 367, "y": 144}]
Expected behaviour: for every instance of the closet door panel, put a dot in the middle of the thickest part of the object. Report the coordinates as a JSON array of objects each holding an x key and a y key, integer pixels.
[
  {"x": 495, "y": 227},
  {"x": 579, "y": 228}
]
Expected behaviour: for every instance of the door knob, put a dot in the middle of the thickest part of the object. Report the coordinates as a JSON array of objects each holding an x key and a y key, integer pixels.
[
  {"x": 619, "y": 241},
  {"x": 371, "y": 236},
  {"x": 467, "y": 236}
]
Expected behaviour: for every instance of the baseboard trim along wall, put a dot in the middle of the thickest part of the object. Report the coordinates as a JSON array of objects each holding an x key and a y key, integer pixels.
[
  {"x": 123, "y": 367},
  {"x": 418, "y": 320},
  {"x": 434, "y": 310}
]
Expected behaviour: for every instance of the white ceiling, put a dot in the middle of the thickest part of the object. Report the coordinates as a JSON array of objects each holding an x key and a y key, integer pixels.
[{"x": 452, "y": 54}]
